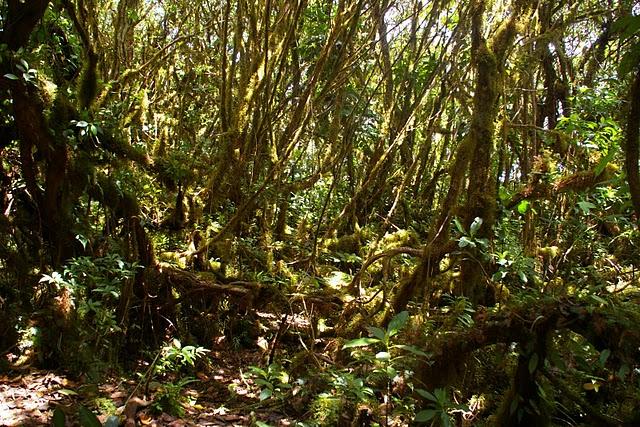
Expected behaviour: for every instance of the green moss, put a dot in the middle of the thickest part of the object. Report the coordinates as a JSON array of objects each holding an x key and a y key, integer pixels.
[{"x": 88, "y": 83}]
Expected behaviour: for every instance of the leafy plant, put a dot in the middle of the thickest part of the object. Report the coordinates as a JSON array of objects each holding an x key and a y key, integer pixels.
[
  {"x": 86, "y": 418},
  {"x": 386, "y": 363},
  {"x": 273, "y": 381},
  {"x": 28, "y": 74},
  {"x": 440, "y": 408},
  {"x": 169, "y": 398},
  {"x": 174, "y": 356},
  {"x": 93, "y": 285},
  {"x": 469, "y": 239}
]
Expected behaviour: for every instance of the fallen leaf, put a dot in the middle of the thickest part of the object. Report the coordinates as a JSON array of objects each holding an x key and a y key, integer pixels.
[{"x": 145, "y": 419}]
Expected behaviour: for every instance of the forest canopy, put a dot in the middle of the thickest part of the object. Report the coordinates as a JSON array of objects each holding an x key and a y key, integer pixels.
[{"x": 399, "y": 211}]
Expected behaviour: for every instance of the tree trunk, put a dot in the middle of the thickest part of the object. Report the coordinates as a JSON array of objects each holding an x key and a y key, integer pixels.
[{"x": 631, "y": 144}]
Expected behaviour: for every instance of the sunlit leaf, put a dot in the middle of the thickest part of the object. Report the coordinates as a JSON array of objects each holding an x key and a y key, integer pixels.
[
  {"x": 475, "y": 226},
  {"x": 398, "y": 322},
  {"x": 586, "y": 207},
  {"x": 360, "y": 342},
  {"x": 383, "y": 355},
  {"x": 523, "y": 206}
]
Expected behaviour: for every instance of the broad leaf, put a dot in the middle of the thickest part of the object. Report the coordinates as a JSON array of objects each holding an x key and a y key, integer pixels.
[
  {"x": 383, "y": 355},
  {"x": 475, "y": 226},
  {"x": 465, "y": 241},
  {"x": 265, "y": 394},
  {"x": 427, "y": 395},
  {"x": 523, "y": 206},
  {"x": 412, "y": 349},
  {"x": 377, "y": 332},
  {"x": 88, "y": 418},
  {"x": 398, "y": 322},
  {"x": 586, "y": 207},
  {"x": 360, "y": 342},
  {"x": 458, "y": 225},
  {"x": 426, "y": 415},
  {"x": 58, "y": 419}
]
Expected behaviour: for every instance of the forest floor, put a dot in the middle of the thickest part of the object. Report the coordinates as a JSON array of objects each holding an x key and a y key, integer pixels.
[
  {"x": 221, "y": 393},
  {"x": 29, "y": 396}
]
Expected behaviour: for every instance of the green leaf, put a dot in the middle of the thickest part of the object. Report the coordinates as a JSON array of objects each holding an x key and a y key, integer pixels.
[
  {"x": 604, "y": 161},
  {"x": 383, "y": 355},
  {"x": 265, "y": 394},
  {"x": 629, "y": 60},
  {"x": 377, "y": 332},
  {"x": 11, "y": 76},
  {"x": 627, "y": 25},
  {"x": 523, "y": 206},
  {"x": 475, "y": 226},
  {"x": 67, "y": 392},
  {"x": 458, "y": 225},
  {"x": 88, "y": 418},
  {"x": 58, "y": 419},
  {"x": 523, "y": 277},
  {"x": 533, "y": 363},
  {"x": 426, "y": 415},
  {"x": 465, "y": 241},
  {"x": 445, "y": 420},
  {"x": 412, "y": 349},
  {"x": 604, "y": 356},
  {"x": 391, "y": 371},
  {"x": 554, "y": 357},
  {"x": 623, "y": 371},
  {"x": 360, "y": 342},
  {"x": 398, "y": 322},
  {"x": 427, "y": 395},
  {"x": 586, "y": 207}
]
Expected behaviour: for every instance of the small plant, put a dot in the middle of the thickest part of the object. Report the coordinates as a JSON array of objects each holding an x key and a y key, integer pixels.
[
  {"x": 174, "y": 356},
  {"x": 28, "y": 74},
  {"x": 93, "y": 286},
  {"x": 469, "y": 239},
  {"x": 274, "y": 381},
  {"x": 460, "y": 309},
  {"x": 169, "y": 398},
  {"x": 387, "y": 363},
  {"x": 440, "y": 408},
  {"x": 346, "y": 389}
]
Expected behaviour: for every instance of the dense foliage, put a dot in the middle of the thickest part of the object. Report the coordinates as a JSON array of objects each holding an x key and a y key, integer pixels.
[{"x": 438, "y": 202}]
